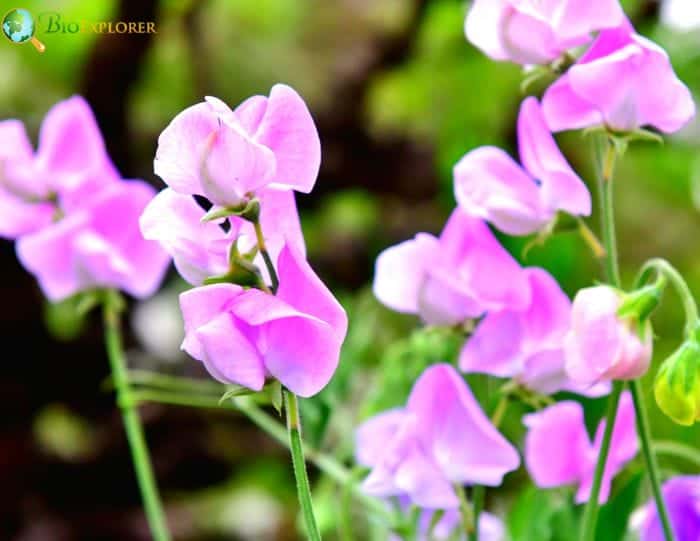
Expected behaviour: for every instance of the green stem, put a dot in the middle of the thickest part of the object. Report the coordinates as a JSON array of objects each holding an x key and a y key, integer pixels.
[
  {"x": 590, "y": 514},
  {"x": 667, "y": 270},
  {"x": 176, "y": 399},
  {"x": 175, "y": 383},
  {"x": 465, "y": 511},
  {"x": 605, "y": 189},
  {"x": 649, "y": 458},
  {"x": 132, "y": 423},
  {"x": 478, "y": 494},
  {"x": 266, "y": 255},
  {"x": 299, "y": 464}
]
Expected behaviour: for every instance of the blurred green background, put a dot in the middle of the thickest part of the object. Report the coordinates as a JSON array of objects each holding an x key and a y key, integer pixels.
[{"x": 399, "y": 96}]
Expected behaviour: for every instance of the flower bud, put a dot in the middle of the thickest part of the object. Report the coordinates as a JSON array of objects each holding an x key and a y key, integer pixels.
[
  {"x": 677, "y": 385},
  {"x": 610, "y": 336}
]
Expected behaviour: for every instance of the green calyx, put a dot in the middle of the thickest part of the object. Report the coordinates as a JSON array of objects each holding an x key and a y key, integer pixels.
[
  {"x": 248, "y": 210},
  {"x": 677, "y": 384},
  {"x": 639, "y": 304}
]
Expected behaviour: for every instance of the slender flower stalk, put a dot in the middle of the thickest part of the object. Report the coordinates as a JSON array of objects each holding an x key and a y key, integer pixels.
[
  {"x": 607, "y": 155},
  {"x": 265, "y": 254},
  {"x": 132, "y": 423},
  {"x": 299, "y": 464}
]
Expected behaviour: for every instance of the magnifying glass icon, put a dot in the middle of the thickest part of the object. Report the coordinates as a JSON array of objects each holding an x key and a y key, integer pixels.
[{"x": 18, "y": 26}]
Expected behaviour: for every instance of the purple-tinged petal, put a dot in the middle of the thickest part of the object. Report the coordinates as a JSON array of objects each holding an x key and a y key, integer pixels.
[
  {"x": 234, "y": 165},
  {"x": 70, "y": 144},
  {"x": 199, "y": 306},
  {"x": 473, "y": 261},
  {"x": 229, "y": 356},
  {"x": 529, "y": 40},
  {"x": 682, "y": 497},
  {"x": 18, "y": 218},
  {"x": 564, "y": 109},
  {"x": 556, "y": 445},
  {"x": 199, "y": 249},
  {"x": 250, "y": 113},
  {"x": 490, "y": 185},
  {"x": 49, "y": 255},
  {"x": 372, "y": 436},
  {"x": 576, "y": 18},
  {"x": 288, "y": 129},
  {"x": 560, "y": 187},
  {"x": 115, "y": 219},
  {"x": 181, "y": 148},
  {"x": 423, "y": 481},
  {"x": 461, "y": 439},
  {"x": 400, "y": 272},
  {"x": 495, "y": 347}
]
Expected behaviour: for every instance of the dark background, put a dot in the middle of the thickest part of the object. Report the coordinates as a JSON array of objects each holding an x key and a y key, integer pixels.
[{"x": 398, "y": 96}]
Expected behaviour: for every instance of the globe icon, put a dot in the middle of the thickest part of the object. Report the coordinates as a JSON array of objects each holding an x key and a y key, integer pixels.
[{"x": 18, "y": 27}]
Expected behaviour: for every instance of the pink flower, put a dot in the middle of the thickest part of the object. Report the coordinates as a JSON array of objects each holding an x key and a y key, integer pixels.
[
  {"x": 624, "y": 81},
  {"x": 559, "y": 452},
  {"x": 535, "y": 32},
  {"x": 521, "y": 200},
  {"x": 225, "y": 155},
  {"x": 97, "y": 245},
  {"x": 602, "y": 346},
  {"x": 201, "y": 249},
  {"x": 446, "y": 280},
  {"x": 244, "y": 336},
  {"x": 527, "y": 344},
  {"x": 682, "y": 497},
  {"x": 70, "y": 164},
  {"x": 440, "y": 438}
]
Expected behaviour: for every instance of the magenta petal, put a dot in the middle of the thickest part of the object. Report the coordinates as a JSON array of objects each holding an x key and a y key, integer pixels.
[
  {"x": 372, "y": 436},
  {"x": 560, "y": 187},
  {"x": 491, "y": 186},
  {"x": 565, "y": 110},
  {"x": 15, "y": 145},
  {"x": 228, "y": 354},
  {"x": 199, "y": 249},
  {"x": 199, "y": 306},
  {"x": 400, "y": 272},
  {"x": 70, "y": 142},
  {"x": 234, "y": 165},
  {"x": 49, "y": 254},
  {"x": 548, "y": 317},
  {"x": 279, "y": 220},
  {"x": 181, "y": 148},
  {"x": 462, "y": 440},
  {"x": 577, "y": 18},
  {"x": 115, "y": 218},
  {"x": 557, "y": 445},
  {"x": 250, "y": 113},
  {"x": 495, "y": 346},
  {"x": 424, "y": 483},
  {"x": 288, "y": 129},
  {"x": 18, "y": 218}
]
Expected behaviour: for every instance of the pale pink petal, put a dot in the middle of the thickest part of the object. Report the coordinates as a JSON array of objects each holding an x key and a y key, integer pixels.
[
  {"x": 199, "y": 306},
  {"x": 556, "y": 445},
  {"x": 576, "y": 18},
  {"x": 564, "y": 109},
  {"x": 491, "y": 186},
  {"x": 229, "y": 356},
  {"x": 372, "y": 436},
  {"x": 400, "y": 272},
  {"x": 288, "y": 129},
  {"x": 495, "y": 347},
  {"x": 485, "y": 17},
  {"x": 421, "y": 479},
  {"x": 560, "y": 187},
  {"x": 461, "y": 439},
  {"x": 250, "y": 113}
]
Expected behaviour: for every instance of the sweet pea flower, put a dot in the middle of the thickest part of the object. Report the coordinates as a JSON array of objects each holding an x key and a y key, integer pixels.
[
  {"x": 601, "y": 345},
  {"x": 448, "y": 528},
  {"x": 559, "y": 452},
  {"x": 225, "y": 155},
  {"x": 682, "y": 497},
  {"x": 201, "y": 249},
  {"x": 243, "y": 336},
  {"x": 70, "y": 165},
  {"x": 535, "y": 32},
  {"x": 624, "y": 81},
  {"x": 440, "y": 438},
  {"x": 527, "y": 344},
  {"x": 97, "y": 245},
  {"x": 520, "y": 200},
  {"x": 446, "y": 280}
]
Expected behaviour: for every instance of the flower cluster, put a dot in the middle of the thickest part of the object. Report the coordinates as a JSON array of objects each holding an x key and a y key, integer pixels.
[
  {"x": 73, "y": 217},
  {"x": 258, "y": 310},
  {"x": 524, "y": 326}
]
